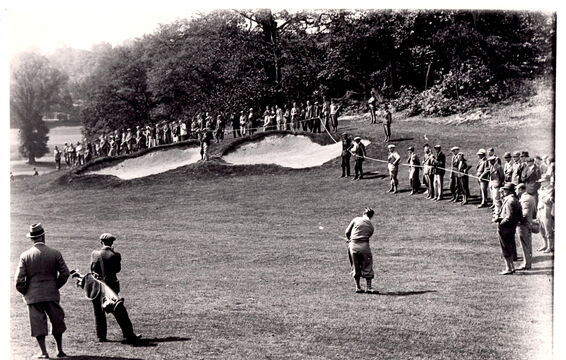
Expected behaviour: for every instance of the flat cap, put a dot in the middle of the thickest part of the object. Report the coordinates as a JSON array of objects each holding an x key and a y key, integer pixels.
[
  {"x": 357, "y": 138},
  {"x": 517, "y": 153},
  {"x": 481, "y": 152},
  {"x": 437, "y": 146},
  {"x": 391, "y": 146},
  {"x": 454, "y": 148},
  {"x": 509, "y": 186},
  {"x": 107, "y": 236},
  {"x": 507, "y": 155},
  {"x": 412, "y": 148}
]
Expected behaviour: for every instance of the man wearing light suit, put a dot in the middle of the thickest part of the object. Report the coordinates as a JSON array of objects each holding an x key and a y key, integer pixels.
[{"x": 41, "y": 273}]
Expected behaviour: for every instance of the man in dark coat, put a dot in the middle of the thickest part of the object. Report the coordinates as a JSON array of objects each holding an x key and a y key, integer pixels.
[
  {"x": 41, "y": 273},
  {"x": 346, "y": 147},
  {"x": 509, "y": 217},
  {"x": 106, "y": 263}
]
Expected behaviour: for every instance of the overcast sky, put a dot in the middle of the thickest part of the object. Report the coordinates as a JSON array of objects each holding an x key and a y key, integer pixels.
[
  {"x": 49, "y": 28},
  {"x": 49, "y": 25}
]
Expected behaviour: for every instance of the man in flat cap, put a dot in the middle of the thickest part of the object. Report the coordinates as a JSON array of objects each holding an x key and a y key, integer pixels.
[
  {"x": 106, "y": 263},
  {"x": 439, "y": 166},
  {"x": 530, "y": 174},
  {"x": 454, "y": 174},
  {"x": 508, "y": 219},
  {"x": 41, "y": 273},
  {"x": 359, "y": 151},
  {"x": 517, "y": 168},
  {"x": 529, "y": 209},
  {"x": 463, "y": 179},
  {"x": 393, "y": 160},
  {"x": 428, "y": 171},
  {"x": 482, "y": 172},
  {"x": 414, "y": 169},
  {"x": 346, "y": 148},
  {"x": 358, "y": 234},
  {"x": 496, "y": 181},
  {"x": 508, "y": 167},
  {"x": 545, "y": 213},
  {"x": 491, "y": 152}
]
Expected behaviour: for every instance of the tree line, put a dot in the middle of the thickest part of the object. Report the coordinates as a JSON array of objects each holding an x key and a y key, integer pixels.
[{"x": 429, "y": 62}]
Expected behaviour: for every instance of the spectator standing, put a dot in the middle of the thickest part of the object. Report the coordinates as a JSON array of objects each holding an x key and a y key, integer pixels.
[
  {"x": 482, "y": 172},
  {"x": 463, "y": 179},
  {"x": 496, "y": 181},
  {"x": 359, "y": 151},
  {"x": 393, "y": 160},
  {"x": 414, "y": 169},
  {"x": 57, "y": 155},
  {"x": 252, "y": 123},
  {"x": 346, "y": 148},
  {"x": 372, "y": 104},
  {"x": 387, "y": 123},
  {"x": 511, "y": 214},
  {"x": 243, "y": 123},
  {"x": 529, "y": 208},
  {"x": 454, "y": 174},
  {"x": 428, "y": 171},
  {"x": 439, "y": 166},
  {"x": 545, "y": 213},
  {"x": 508, "y": 167},
  {"x": 295, "y": 114},
  {"x": 280, "y": 118},
  {"x": 517, "y": 168}
]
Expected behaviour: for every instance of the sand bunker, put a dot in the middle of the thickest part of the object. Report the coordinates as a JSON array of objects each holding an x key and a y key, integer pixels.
[
  {"x": 293, "y": 151},
  {"x": 152, "y": 163}
]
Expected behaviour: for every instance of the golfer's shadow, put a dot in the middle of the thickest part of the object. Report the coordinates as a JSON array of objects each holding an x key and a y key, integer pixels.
[
  {"x": 403, "y": 293},
  {"x": 151, "y": 342}
]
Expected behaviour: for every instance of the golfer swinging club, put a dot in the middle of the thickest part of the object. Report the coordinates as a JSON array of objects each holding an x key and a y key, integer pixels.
[{"x": 358, "y": 233}]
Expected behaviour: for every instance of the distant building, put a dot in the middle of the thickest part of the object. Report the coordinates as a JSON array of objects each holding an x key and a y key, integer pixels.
[{"x": 55, "y": 116}]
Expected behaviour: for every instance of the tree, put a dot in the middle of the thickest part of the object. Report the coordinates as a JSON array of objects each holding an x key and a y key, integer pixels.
[{"x": 36, "y": 88}]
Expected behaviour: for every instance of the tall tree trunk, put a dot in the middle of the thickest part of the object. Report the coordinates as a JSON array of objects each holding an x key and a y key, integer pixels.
[
  {"x": 427, "y": 73},
  {"x": 31, "y": 159}
]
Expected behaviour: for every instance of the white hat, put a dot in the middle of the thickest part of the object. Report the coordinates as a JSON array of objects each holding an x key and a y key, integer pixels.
[
  {"x": 357, "y": 138},
  {"x": 481, "y": 152},
  {"x": 454, "y": 148},
  {"x": 391, "y": 146}
]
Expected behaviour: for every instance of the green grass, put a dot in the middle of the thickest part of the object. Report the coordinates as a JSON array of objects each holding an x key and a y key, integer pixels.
[{"x": 229, "y": 262}]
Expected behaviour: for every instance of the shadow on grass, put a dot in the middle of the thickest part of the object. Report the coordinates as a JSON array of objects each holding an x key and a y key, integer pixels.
[
  {"x": 152, "y": 342},
  {"x": 537, "y": 271},
  {"x": 95, "y": 357},
  {"x": 368, "y": 176},
  {"x": 403, "y": 293},
  {"x": 542, "y": 258},
  {"x": 401, "y": 139}
]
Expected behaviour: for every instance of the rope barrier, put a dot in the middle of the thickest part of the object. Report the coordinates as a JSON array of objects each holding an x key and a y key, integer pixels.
[{"x": 407, "y": 165}]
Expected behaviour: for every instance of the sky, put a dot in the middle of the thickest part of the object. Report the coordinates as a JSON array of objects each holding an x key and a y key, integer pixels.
[
  {"x": 50, "y": 25},
  {"x": 80, "y": 26}
]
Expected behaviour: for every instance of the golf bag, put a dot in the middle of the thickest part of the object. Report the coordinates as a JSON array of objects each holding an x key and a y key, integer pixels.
[{"x": 94, "y": 287}]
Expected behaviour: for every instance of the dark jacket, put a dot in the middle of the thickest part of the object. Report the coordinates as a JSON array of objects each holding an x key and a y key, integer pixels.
[{"x": 107, "y": 263}]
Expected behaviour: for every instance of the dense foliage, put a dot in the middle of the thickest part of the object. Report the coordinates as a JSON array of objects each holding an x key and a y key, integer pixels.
[{"x": 430, "y": 62}]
